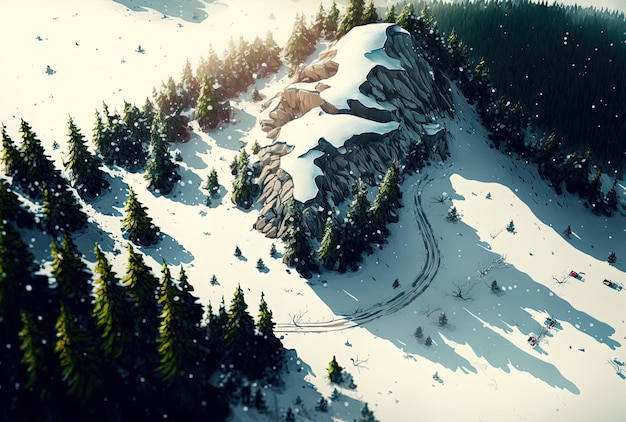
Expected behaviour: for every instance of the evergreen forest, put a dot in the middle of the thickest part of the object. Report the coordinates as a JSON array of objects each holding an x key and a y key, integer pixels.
[{"x": 564, "y": 64}]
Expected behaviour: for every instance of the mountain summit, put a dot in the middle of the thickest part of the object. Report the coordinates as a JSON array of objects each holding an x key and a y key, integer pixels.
[{"x": 349, "y": 114}]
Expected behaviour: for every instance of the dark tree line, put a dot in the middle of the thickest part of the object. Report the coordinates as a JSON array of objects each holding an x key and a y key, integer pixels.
[
  {"x": 97, "y": 345},
  {"x": 558, "y": 160},
  {"x": 564, "y": 64},
  {"x": 34, "y": 174}
]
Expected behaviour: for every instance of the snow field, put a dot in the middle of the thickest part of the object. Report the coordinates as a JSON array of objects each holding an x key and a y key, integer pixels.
[{"x": 486, "y": 369}]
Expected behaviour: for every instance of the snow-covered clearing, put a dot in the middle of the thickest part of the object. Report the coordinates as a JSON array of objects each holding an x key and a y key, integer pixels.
[{"x": 486, "y": 370}]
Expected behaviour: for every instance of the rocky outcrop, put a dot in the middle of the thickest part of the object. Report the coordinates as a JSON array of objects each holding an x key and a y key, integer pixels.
[{"x": 399, "y": 94}]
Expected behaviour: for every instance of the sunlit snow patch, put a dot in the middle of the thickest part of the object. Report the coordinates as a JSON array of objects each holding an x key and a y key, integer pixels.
[
  {"x": 305, "y": 133},
  {"x": 359, "y": 51}
]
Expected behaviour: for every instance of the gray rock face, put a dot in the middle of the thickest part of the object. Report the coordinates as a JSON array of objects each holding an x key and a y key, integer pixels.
[{"x": 410, "y": 94}]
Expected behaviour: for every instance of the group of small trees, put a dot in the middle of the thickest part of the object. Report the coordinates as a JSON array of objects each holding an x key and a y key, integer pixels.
[
  {"x": 244, "y": 189},
  {"x": 344, "y": 239},
  {"x": 130, "y": 346},
  {"x": 35, "y": 175},
  {"x": 506, "y": 118},
  {"x": 343, "y": 242}
]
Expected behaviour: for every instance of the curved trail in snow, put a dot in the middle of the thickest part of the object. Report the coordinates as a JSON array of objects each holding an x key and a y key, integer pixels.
[{"x": 390, "y": 306}]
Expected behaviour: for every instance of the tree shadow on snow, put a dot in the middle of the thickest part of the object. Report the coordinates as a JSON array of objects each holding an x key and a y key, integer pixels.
[
  {"x": 192, "y": 11},
  {"x": 170, "y": 250},
  {"x": 302, "y": 397},
  {"x": 231, "y": 136},
  {"x": 189, "y": 151},
  {"x": 111, "y": 201},
  {"x": 187, "y": 190}
]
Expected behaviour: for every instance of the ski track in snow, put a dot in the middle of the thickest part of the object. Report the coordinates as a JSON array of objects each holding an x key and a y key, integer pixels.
[{"x": 391, "y": 306}]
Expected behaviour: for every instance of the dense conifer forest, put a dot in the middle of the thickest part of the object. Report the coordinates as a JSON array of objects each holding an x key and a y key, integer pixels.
[
  {"x": 564, "y": 64},
  {"x": 95, "y": 344}
]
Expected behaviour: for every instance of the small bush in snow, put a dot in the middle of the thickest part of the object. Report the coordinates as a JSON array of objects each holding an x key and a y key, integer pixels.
[
  {"x": 494, "y": 286},
  {"x": 443, "y": 319},
  {"x": 453, "y": 214},
  {"x": 567, "y": 232},
  {"x": 419, "y": 333},
  {"x": 612, "y": 258},
  {"x": 237, "y": 251},
  {"x": 396, "y": 283},
  {"x": 322, "y": 405},
  {"x": 429, "y": 341},
  {"x": 260, "y": 265},
  {"x": 511, "y": 227}
]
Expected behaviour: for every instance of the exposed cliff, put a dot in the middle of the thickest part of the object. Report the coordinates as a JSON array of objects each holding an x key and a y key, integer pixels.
[{"x": 349, "y": 114}]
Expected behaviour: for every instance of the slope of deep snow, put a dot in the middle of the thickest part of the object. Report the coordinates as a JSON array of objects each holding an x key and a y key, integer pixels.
[{"x": 484, "y": 366}]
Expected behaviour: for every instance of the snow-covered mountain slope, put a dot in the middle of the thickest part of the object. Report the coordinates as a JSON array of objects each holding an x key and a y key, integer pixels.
[{"x": 486, "y": 370}]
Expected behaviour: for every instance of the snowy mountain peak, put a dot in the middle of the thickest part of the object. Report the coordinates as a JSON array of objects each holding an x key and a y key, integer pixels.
[{"x": 347, "y": 115}]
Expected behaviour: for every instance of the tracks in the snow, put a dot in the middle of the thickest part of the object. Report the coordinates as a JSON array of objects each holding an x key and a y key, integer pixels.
[{"x": 390, "y": 306}]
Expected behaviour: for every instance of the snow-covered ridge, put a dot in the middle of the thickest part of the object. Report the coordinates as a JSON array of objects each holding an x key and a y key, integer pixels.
[
  {"x": 348, "y": 114},
  {"x": 357, "y": 53}
]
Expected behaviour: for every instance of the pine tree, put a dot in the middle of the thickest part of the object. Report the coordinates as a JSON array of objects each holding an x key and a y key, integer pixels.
[
  {"x": 567, "y": 232},
  {"x": 139, "y": 124},
  {"x": 273, "y": 251},
  {"x": 453, "y": 214},
  {"x": 358, "y": 226},
  {"x": 20, "y": 290},
  {"x": 322, "y": 405},
  {"x": 11, "y": 159},
  {"x": 101, "y": 140},
  {"x": 494, "y": 286},
  {"x": 112, "y": 310},
  {"x": 318, "y": 26},
  {"x": 12, "y": 209},
  {"x": 290, "y": 417},
  {"x": 161, "y": 171},
  {"x": 390, "y": 16},
  {"x": 216, "y": 328},
  {"x": 511, "y": 227},
  {"x": 367, "y": 415},
  {"x": 244, "y": 189},
  {"x": 385, "y": 203},
  {"x": 270, "y": 347},
  {"x": 443, "y": 319},
  {"x": 78, "y": 357},
  {"x": 120, "y": 140},
  {"x": 84, "y": 169},
  {"x": 330, "y": 252},
  {"x": 174, "y": 343},
  {"x": 260, "y": 265},
  {"x": 419, "y": 333},
  {"x": 189, "y": 86},
  {"x": 369, "y": 14},
  {"x": 353, "y": 16},
  {"x": 332, "y": 22},
  {"x": 612, "y": 258},
  {"x": 335, "y": 372},
  {"x": 73, "y": 279},
  {"x": 137, "y": 224},
  {"x": 239, "y": 337},
  {"x": 237, "y": 251},
  {"x": 62, "y": 213},
  {"x": 300, "y": 45},
  {"x": 298, "y": 249},
  {"x": 142, "y": 288},
  {"x": 407, "y": 14},
  {"x": 192, "y": 314},
  {"x": 36, "y": 356},
  {"x": 38, "y": 168},
  {"x": 212, "y": 183},
  {"x": 208, "y": 109},
  {"x": 428, "y": 341}
]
